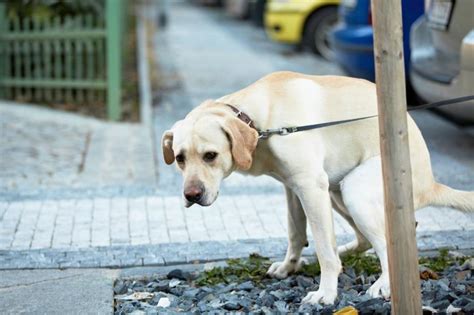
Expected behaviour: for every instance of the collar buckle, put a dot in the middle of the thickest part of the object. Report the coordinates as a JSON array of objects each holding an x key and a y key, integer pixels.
[
  {"x": 265, "y": 134},
  {"x": 287, "y": 130}
]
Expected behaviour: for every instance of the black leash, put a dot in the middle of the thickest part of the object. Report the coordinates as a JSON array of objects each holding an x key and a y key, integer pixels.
[{"x": 264, "y": 134}]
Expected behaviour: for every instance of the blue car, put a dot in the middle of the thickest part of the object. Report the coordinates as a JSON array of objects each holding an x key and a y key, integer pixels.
[{"x": 352, "y": 37}]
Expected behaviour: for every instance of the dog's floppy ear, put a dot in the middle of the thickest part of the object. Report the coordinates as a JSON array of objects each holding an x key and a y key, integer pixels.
[
  {"x": 167, "y": 146},
  {"x": 243, "y": 142}
]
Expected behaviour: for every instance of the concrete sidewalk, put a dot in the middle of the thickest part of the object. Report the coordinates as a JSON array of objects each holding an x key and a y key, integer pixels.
[
  {"x": 86, "y": 291},
  {"x": 52, "y": 154}
]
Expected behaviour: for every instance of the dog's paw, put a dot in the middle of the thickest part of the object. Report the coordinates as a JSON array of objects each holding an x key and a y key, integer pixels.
[
  {"x": 282, "y": 269},
  {"x": 380, "y": 288},
  {"x": 320, "y": 297}
]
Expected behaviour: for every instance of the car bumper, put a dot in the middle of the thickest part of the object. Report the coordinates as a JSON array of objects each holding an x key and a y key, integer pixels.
[
  {"x": 433, "y": 91},
  {"x": 284, "y": 26},
  {"x": 431, "y": 87},
  {"x": 353, "y": 49}
]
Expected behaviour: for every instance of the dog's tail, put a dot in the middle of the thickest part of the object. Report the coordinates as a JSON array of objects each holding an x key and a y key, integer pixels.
[{"x": 445, "y": 196}]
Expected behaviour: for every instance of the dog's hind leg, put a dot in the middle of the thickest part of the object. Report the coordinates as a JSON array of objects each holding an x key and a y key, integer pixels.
[
  {"x": 297, "y": 239},
  {"x": 362, "y": 192},
  {"x": 360, "y": 244}
]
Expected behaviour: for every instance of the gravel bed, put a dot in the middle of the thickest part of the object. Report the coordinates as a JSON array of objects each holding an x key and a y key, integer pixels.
[{"x": 448, "y": 291}]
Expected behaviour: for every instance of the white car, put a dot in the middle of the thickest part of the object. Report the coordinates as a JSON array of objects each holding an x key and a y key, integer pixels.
[{"x": 442, "y": 55}]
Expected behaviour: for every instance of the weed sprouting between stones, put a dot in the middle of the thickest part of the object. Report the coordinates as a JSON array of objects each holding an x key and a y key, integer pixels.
[
  {"x": 441, "y": 261},
  {"x": 255, "y": 267},
  {"x": 237, "y": 270}
]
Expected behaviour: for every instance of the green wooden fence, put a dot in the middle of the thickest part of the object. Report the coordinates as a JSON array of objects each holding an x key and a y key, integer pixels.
[{"x": 72, "y": 58}]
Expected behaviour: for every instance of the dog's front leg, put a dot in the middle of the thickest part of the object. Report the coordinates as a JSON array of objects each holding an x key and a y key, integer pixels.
[
  {"x": 313, "y": 191},
  {"x": 296, "y": 239}
]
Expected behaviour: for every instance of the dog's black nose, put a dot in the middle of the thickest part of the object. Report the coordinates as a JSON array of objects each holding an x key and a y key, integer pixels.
[{"x": 194, "y": 193}]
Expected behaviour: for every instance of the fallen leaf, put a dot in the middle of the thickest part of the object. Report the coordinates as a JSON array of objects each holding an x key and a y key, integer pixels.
[
  {"x": 427, "y": 273},
  {"x": 137, "y": 296},
  {"x": 348, "y": 310}
]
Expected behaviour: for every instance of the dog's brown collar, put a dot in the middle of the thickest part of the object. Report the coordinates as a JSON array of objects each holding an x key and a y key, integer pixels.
[{"x": 243, "y": 116}]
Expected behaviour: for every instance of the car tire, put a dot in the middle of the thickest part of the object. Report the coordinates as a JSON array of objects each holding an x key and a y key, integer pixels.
[{"x": 317, "y": 31}]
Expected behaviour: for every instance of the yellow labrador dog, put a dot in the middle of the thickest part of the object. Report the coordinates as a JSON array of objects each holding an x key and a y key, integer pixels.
[{"x": 335, "y": 167}]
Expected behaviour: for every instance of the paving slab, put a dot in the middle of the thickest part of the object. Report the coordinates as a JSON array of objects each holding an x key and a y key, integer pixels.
[
  {"x": 47, "y": 153},
  {"x": 85, "y": 291}
]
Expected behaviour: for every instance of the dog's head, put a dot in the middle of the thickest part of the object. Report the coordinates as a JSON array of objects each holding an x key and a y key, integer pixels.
[{"x": 207, "y": 146}]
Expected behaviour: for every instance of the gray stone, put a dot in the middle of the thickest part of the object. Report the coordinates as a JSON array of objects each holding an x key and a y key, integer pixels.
[
  {"x": 267, "y": 300},
  {"x": 246, "y": 286},
  {"x": 441, "y": 304},
  {"x": 281, "y": 306},
  {"x": 215, "y": 303},
  {"x": 370, "y": 305},
  {"x": 160, "y": 285},
  {"x": 178, "y": 274},
  {"x": 231, "y": 306},
  {"x": 173, "y": 283},
  {"x": 178, "y": 291},
  {"x": 304, "y": 282},
  {"x": 228, "y": 288},
  {"x": 120, "y": 287},
  {"x": 185, "y": 305},
  {"x": 442, "y": 294},
  {"x": 191, "y": 293},
  {"x": 345, "y": 280},
  {"x": 278, "y": 294},
  {"x": 469, "y": 308},
  {"x": 305, "y": 308},
  {"x": 203, "y": 307},
  {"x": 350, "y": 272},
  {"x": 287, "y": 283},
  {"x": 461, "y": 302}
]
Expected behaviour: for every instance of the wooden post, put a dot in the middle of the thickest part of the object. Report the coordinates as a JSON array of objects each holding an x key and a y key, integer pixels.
[{"x": 398, "y": 193}]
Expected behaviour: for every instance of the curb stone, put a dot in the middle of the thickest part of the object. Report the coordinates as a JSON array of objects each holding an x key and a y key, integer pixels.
[{"x": 182, "y": 253}]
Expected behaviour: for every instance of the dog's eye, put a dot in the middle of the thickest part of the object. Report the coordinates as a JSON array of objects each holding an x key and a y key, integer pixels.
[
  {"x": 210, "y": 156},
  {"x": 180, "y": 158}
]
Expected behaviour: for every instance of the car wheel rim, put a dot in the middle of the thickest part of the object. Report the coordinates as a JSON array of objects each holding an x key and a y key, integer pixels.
[{"x": 321, "y": 37}]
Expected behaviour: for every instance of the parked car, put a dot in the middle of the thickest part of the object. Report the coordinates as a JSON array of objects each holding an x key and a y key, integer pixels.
[
  {"x": 302, "y": 22},
  {"x": 352, "y": 38},
  {"x": 238, "y": 9},
  {"x": 442, "y": 55}
]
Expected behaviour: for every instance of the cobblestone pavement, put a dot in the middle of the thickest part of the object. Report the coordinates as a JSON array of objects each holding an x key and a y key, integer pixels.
[
  {"x": 158, "y": 230},
  {"x": 152, "y": 227},
  {"x": 46, "y": 154}
]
